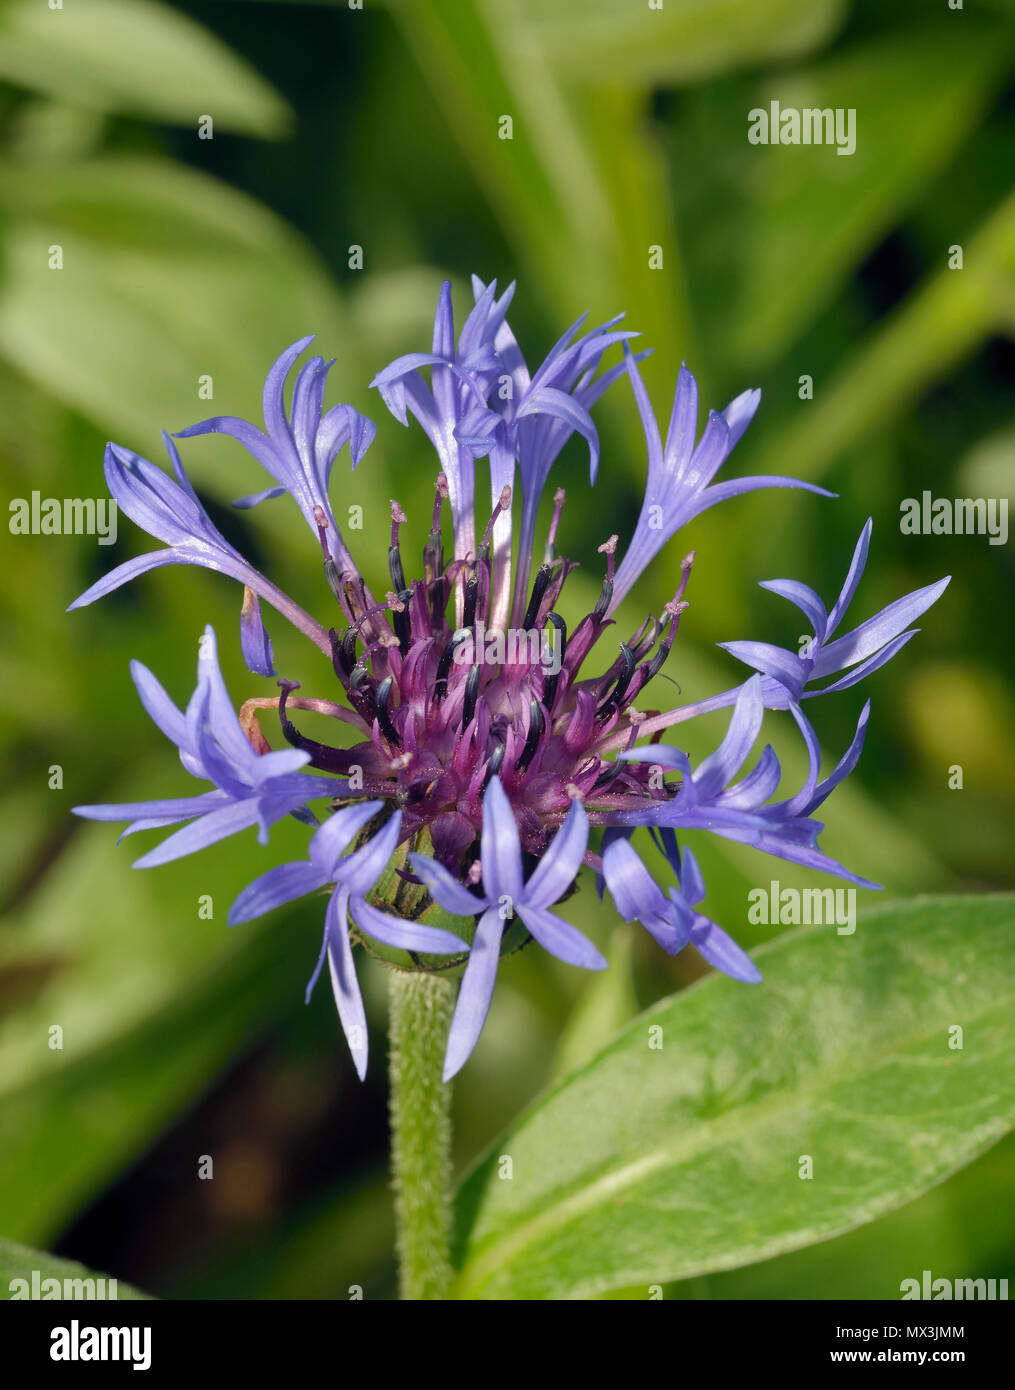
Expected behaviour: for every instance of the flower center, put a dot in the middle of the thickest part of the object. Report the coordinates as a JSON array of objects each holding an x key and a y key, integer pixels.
[{"x": 444, "y": 708}]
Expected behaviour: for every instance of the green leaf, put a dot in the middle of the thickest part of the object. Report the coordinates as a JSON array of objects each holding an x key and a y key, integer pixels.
[
  {"x": 951, "y": 1229},
  {"x": 152, "y": 1000},
  {"x": 653, "y": 1164},
  {"x": 818, "y": 213},
  {"x": 19, "y": 1262},
  {"x": 175, "y": 269},
  {"x": 579, "y": 209},
  {"x": 137, "y": 57},
  {"x": 605, "y": 1004},
  {"x": 679, "y": 41},
  {"x": 944, "y": 320}
]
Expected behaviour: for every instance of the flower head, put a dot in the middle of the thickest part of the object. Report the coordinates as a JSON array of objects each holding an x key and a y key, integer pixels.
[{"x": 489, "y": 755}]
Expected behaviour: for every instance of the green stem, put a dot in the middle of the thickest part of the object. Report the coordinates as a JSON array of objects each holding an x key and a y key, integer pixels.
[{"x": 421, "y": 1005}]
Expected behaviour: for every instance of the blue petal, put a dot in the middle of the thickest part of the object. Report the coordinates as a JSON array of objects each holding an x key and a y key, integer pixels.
[
  {"x": 559, "y": 865},
  {"x": 867, "y": 667},
  {"x": 870, "y": 636},
  {"x": 713, "y": 773},
  {"x": 337, "y": 834},
  {"x": 403, "y": 934},
  {"x": 723, "y": 952},
  {"x": 272, "y": 889},
  {"x": 856, "y": 569},
  {"x": 561, "y": 939},
  {"x": 804, "y": 598},
  {"x": 199, "y": 834},
  {"x": 364, "y": 867},
  {"x": 475, "y": 992},
  {"x": 445, "y": 889},
  {"x": 500, "y": 849},
  {"x": 161, "y": 710},
  {"x": 254, "y": 640},
  {"x": 634, "y": 891},
  {"x": 344, "y": 984}
]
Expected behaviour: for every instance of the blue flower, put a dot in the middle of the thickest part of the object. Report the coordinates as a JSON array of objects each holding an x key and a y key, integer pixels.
[
  {"x": 680, "y": 473},
  {"x": 460, "y": 378},
  {"x": 506, "y": 894},
  {"x": 709, "y": 799},
  {"x": 672, "y": 918},
  {"x": 251, "y": 788},
  {"x": 512, "y": 750},
  {"x": 353, "y": 877},
  {"x": 299, "y": 449},
  {"x": 171, "y": 512},
  {"x": 527, "y": 420},
  {"x": 864, "y": 649}
]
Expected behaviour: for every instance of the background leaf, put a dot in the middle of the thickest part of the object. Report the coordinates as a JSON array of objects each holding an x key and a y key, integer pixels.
[
  {"x": 679, "y": 41},
  {"x": 176, "y": 266},
  {"x": 18, "y": 1262},
  {"x": 135, "y": 56},
  {"x": 652, "y": 1164}
]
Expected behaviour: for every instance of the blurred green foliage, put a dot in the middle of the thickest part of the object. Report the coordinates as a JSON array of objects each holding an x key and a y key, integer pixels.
[{"x": 185, "y": 257}]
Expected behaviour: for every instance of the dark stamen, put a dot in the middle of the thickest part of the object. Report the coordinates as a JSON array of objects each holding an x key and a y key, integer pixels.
[
  {"x": 440, "y": 685},
  {"x": 610, "y": 775},
  {"x": 538, "y": 590},
  {"x": 552, "y": 680},
  {"x": 494, "y": 765},
  {"x": 338, "y": 659},
  {"x": 558, "y": 622},
  {"x": 471, "y": 598},
  {"x": 626, "y": 672},
  {"x": 394, "y": 554},
  {"x": 349, "y": 649},
  {"x": 384, "y": 712},
  {"x": 646, "y": 637},
  {"x": 402, "y": 620},
  {"x": 627, "y": 664},
  {"x": 654, "y": 666},
  {"x": 335, "y": 582},
  {"x": 322, "y": 757},
  {"x": 609, "y": 549},
  {"x": 537, "y": 723},
  {"x": 471, "y": 696}
]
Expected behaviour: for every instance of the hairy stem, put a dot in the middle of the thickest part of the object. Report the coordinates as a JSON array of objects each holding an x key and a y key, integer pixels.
[{"x": 421, "y": 1005}]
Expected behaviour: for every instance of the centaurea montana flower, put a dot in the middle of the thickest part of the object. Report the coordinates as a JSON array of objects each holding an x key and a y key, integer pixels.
[{"x": 479, "y": 771}]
